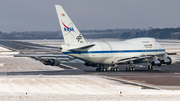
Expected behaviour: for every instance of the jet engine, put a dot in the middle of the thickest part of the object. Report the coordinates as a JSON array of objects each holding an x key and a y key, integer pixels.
[
  {"x": 52, "y": 62},
  {"x": 156, "y": 63},
  {"x": 169, "y": 60}
]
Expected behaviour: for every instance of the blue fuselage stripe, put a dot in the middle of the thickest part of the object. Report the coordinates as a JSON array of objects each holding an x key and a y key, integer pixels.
[{"x": 115, "y": 51}]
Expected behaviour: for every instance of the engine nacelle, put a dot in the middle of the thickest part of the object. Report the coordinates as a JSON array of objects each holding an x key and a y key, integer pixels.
[
  {"x": 156, "y": 63},
  {"x": 169, "y": 60},
  {"x": 52, "y": 62},
  {"x": 90, "y": 64}
]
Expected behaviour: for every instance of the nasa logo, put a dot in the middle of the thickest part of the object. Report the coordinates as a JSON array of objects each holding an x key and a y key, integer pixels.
[{"x": 66, "y": 28}]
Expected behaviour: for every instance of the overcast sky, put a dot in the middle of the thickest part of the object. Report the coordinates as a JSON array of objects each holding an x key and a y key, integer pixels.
[{"x": 40, "y": 15}]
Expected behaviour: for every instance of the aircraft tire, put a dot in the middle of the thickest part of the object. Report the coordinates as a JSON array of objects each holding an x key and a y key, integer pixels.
[
  {"x": 97, "y": 69},
  {"x": 104, "y": 69},
  {"x": 117, "y": 69},
  {"x": 151, "y": 68}
]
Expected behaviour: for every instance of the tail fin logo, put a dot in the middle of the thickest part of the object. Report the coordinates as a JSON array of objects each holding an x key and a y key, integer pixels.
[
  {"x": 79, "y": 38},
  {"x": 66, "y": 28}
]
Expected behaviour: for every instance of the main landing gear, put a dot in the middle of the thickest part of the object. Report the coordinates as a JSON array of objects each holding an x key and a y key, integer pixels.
[
  {"x": 104, "y": 68},
  {"x": 130, "y": 67}
]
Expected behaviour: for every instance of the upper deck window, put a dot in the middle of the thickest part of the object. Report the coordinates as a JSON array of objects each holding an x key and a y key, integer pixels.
[{"x": 145, "y": 41}]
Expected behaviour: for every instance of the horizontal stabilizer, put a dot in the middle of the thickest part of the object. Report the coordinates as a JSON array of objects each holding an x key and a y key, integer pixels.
[{"x": 82, "y": 48}]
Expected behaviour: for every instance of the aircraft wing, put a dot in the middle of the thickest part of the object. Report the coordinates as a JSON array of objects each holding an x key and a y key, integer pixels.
[
  {"x": 54, "y": 48},
  {"x": 140, "y": 57},
  {"x": 52, "y": 59},
  {"x": 43, "y": 55},
  {"x": 46, "y": 56}
]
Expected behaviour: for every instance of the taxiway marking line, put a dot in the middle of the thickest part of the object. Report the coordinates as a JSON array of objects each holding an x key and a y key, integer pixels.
[
  {"x": 132, "y": 83},
  {"x": 69, "y": 66}
]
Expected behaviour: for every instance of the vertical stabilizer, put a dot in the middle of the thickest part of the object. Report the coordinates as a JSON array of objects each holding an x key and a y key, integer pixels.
[{"x": 70, "y": 33}]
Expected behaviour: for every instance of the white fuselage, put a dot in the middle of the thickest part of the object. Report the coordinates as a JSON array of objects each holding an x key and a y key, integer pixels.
[{"x": 110, "y": 52}]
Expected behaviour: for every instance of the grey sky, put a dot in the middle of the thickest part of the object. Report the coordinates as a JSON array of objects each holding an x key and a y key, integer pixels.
[{"x": 40, "y": 15}]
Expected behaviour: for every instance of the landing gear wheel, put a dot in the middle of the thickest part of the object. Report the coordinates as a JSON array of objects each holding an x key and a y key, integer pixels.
[
  {"x": 105, "y": 69},
  {"x": 101, "y": 69},
  {"x": 114, "y": 69},
  {"x": 133, "y": 69},
  {"x": 117, "y": 69},
  {"x": 130, "y": 69},
  {"x": 151, "y": 68}
]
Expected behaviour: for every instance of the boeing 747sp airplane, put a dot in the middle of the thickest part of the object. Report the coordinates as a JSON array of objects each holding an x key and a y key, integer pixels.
[{"x": 106, "y": 56}]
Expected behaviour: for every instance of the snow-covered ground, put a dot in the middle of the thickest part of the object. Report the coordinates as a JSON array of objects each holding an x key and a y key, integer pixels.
[
  {"x": 4, "y": 49},
  {"x": 73, "y": 88},
  {"x": 12, "y": 64}
]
